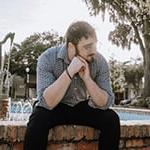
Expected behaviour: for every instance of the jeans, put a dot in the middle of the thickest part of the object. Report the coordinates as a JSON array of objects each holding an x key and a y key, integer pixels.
[{"x": 41, "y": 120}]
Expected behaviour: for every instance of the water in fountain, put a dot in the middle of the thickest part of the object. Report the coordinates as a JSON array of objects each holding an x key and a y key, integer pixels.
[{"x": 20, "y": 110}]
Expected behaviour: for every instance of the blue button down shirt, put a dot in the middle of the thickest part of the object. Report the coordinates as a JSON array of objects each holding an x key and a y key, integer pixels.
[{"x": 51, "y": 65}]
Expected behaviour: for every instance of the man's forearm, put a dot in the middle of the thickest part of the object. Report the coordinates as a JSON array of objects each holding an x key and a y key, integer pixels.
[
  {"x": 56, "y": 91},
  {"x": 98, "y": 95}
]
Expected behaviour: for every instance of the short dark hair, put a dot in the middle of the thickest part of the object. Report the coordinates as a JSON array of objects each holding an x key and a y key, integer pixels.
[{"x": 78, "y": 30}]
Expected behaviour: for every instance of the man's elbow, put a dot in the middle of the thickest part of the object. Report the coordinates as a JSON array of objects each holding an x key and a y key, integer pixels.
[
  {"x": 48, "y": 100},
  {"x": 104, "y": 100}
]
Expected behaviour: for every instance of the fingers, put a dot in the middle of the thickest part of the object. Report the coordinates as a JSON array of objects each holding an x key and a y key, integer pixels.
[
  {"x": 82, "y": 59},
  {"x": 76, "y": 64}
]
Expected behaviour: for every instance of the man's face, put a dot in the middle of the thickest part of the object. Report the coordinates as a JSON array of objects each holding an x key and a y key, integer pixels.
[{"x": 86, "y": 48}]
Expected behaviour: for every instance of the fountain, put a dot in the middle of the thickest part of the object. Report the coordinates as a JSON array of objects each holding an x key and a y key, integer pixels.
[
  {"x": 20, "y": 111},
  {"x": 5, "y": 79},
  {"x": 10, "y": 110}
]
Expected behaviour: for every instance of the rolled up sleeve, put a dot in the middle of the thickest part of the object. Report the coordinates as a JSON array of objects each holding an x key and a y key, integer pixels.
[
  {"x": 103, "y": 81},
  {"x": 45, "y": 78}
]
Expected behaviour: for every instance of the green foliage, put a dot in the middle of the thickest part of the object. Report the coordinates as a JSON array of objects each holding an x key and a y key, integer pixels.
[
  {"x": 127, "y": 73},
  {"x": 133, "y": 73},
  {"x": 117, "y": 76},
  {"x": 25, "y": 54},
  {"x": 123, "y": 36},
  {"x": 130, "y": 17}
]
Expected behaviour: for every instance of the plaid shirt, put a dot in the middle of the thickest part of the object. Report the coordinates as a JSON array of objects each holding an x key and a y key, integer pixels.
[{"x": 51, "y": 65}]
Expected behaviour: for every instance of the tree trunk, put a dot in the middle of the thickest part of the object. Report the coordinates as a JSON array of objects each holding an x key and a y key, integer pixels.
[
  {"x": 147, "y": 71},
  {"x": 146, "y": 27},
  {"x": 0, "y": 55}
]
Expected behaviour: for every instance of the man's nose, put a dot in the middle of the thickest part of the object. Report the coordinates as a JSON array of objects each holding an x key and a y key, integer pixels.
[
  {"x": 94, "y": 46},
  {"x": 93, "y": 50}
]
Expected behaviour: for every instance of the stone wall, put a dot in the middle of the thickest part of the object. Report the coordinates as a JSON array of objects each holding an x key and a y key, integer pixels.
[{"x": 134, "y": 136}]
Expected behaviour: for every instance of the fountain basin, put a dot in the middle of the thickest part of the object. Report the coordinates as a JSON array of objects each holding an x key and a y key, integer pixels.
[{"x": 132, "y": 114}]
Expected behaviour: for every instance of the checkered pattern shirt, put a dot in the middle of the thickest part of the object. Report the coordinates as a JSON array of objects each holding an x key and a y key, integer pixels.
[{"x": 51, "y": 65}]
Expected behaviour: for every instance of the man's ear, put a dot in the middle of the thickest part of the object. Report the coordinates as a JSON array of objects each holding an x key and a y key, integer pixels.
[{"x": 71, "y": 48}]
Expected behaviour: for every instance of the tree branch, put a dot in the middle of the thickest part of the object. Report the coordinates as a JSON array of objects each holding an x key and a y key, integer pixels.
[
  {"x": 116, "y": 6},
  {"x": 139, "y": 38}
]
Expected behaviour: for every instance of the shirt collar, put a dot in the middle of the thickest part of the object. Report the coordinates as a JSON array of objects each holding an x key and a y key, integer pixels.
[{"x": 63, "y": 54}]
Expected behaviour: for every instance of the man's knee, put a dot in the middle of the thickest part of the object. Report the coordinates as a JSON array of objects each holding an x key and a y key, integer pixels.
[
  {"x": 109, "y": 118},
  {"x": 113, "y": 118}
]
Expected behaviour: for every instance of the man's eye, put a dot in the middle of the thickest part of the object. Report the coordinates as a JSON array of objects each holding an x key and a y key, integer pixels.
[{"x": 88, "y": 47}]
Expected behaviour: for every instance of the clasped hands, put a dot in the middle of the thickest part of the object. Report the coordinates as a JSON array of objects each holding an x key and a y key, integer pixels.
[{"x": 79, "y": 65}]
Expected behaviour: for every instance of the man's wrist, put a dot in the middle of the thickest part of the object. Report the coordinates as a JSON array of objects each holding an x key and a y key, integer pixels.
[
  {"x": 87, "y": 80},
  {"x": 68, "y": 74}
]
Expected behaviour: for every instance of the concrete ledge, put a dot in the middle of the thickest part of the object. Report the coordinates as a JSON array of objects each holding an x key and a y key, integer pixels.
[{"x": 133, "y": 136}]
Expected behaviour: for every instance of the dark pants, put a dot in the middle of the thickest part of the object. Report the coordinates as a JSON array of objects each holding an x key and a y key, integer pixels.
[{"x": 41, "y": 120}]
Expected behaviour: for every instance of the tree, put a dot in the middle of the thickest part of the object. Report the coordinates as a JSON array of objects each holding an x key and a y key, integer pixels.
[
  {"x": 133, "y": 73},
  {"x": 117, "y": 79},
  {"x": 25, "y": 54},
  {"x": 117, "y": 76},
  {"x": 132, "y": 20}
]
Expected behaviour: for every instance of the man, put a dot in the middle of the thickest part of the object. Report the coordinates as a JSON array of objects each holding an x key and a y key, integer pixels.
[{"x": 73, "y": 87}]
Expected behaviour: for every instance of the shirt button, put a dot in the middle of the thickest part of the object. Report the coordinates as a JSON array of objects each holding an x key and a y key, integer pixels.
[{"x": 75, "y": 78}]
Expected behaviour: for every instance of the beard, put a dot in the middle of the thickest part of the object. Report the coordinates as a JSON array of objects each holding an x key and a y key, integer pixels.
[{"x": 89, "y": 58}]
